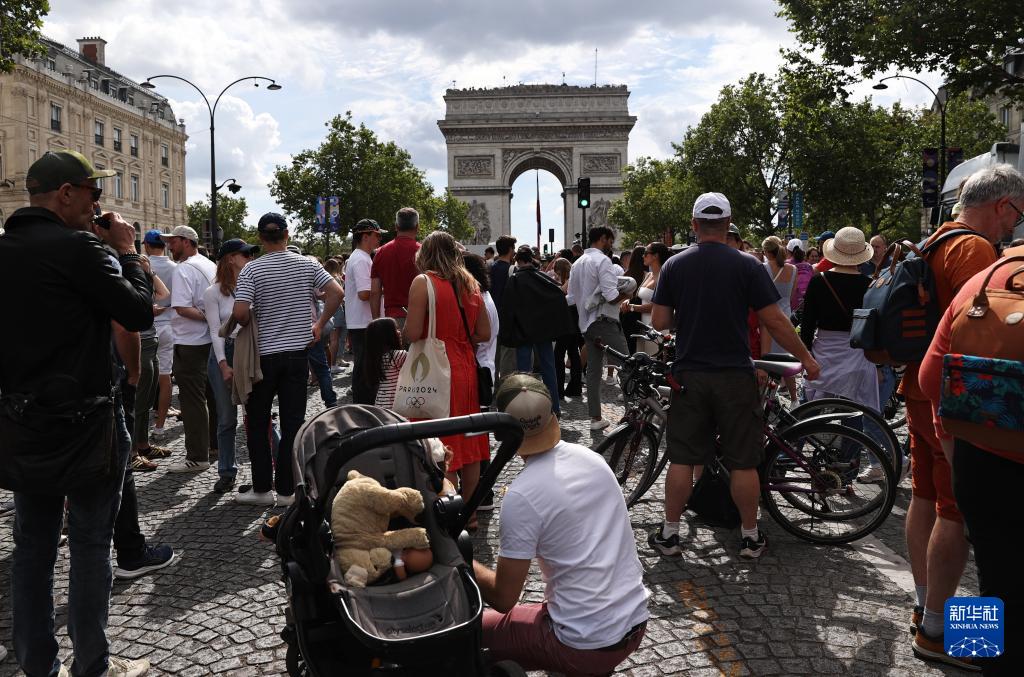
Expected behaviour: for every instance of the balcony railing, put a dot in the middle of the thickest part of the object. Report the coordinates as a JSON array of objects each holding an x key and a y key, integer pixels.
[{"x": 55, "y": 125}]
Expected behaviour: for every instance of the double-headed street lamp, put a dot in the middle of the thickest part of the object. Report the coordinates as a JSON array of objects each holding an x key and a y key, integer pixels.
[
  {"x": 942, "y": 123},
  {"x": 233, "y": 187}
]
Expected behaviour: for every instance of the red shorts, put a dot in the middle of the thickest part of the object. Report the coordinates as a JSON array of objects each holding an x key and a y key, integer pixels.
[{"x": 930, "y": 473}]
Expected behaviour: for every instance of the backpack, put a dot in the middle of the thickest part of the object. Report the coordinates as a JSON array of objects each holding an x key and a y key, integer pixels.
[
  {"x": 982, "y": 397},
  {"x": 901, "y": 308},
  {"x": 712, "y": 499}
]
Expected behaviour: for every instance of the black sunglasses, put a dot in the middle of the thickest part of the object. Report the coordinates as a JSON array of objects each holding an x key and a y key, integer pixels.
[{"x": 96, "y": 192}]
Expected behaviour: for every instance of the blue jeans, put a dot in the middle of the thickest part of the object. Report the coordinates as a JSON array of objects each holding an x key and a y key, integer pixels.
[
  {"x": 227, "y": 412},
  {"x": 546, "y": 359},
  {"x": 37, "y": 525},
  {"x": 322, "y": 371}
]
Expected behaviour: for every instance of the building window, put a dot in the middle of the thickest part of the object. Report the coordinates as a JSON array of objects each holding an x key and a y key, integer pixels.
[
  {"x": 98, "y": 131},
  {"x": 133, "y": 145},
  {"x": 117, "y": 139},
  {"x": 119, "y": 185},
  {"x": 99, "y": 182},
  {"x": 133, "y": 186},
  {"x": 51, "y": 64},
  {"x": 1004, "y": 116},
  {"x": 165, "y": 159},
  {"x": 165, "y": 195},
  {"x": 55, "y": 112}
]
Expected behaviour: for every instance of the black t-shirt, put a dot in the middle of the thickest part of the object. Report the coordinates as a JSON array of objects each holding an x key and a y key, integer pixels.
[
  {"x": 712, "y": 286},
  {"x": 822, "y": 311},
  {"x": 499, "y": 275}
]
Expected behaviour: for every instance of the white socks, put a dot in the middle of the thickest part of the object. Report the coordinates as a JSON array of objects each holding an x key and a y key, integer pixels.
[
  {"x": 749, "y": 533},
  {"x": 669, "y": 529}
]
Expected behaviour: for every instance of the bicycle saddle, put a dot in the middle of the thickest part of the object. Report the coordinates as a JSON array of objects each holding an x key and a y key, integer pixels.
[{"x": 779, "y": 369}]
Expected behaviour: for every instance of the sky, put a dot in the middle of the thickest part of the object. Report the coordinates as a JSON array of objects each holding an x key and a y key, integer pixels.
[{"x": 389, "y": 63}]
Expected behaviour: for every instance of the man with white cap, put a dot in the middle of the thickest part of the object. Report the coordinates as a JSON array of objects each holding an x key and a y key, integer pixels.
[
  {"x": 704, "y": 294},
  {"x": 564, "y": 508},
  {"x": 193, "y": 274}
]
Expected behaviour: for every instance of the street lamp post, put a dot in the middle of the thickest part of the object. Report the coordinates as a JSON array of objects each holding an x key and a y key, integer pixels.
[
  {"x": 942, "y": 123},
  {"x": 273, "y": 86}
]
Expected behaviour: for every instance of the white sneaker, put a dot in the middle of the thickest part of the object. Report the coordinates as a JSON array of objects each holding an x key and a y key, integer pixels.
[
  {"x": 599, "y": 424},
  {"x": 871, "y": 474},
  {"x": 284, "y": 501},
  {"x": 337, "y": 370},
  {"x": 122, "y": 667},
  {"x": 255, "y": 497},
  {"x": 189, "y": 466},
  {"x": 63, "y": 672}
]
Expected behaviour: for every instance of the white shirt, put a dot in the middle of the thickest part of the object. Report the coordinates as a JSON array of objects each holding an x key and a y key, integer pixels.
[
  {"x": 485, "y": 351},
  {"x": 592, "y": 272},
  {"x": 191, "y": 278},
  {"x": 566, "y": 509},
  {"x": 218, "y": 310},
  {"x": 163, "y": 267},
  {"x": 357, "y": 279}
]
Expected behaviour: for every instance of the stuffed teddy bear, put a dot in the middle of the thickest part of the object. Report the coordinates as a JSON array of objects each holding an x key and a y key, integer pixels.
[{"x": 359, "y": 524}]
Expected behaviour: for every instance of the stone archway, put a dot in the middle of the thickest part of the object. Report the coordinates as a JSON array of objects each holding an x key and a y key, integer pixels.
[{"x": 494, "y": 135}]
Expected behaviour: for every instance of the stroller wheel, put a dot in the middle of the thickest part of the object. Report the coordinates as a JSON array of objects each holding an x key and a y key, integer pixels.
[{"x": 506, "y": 669}]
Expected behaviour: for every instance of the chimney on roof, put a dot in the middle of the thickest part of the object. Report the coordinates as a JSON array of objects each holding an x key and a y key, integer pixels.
[{"x": 93, "y": 49}]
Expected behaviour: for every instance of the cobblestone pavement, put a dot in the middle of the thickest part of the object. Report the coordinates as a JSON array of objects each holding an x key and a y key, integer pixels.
[{"x": 799, "y": 609}]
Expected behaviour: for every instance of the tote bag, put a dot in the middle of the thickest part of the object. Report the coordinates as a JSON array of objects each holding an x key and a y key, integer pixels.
[{"x": 424, "y": 382}]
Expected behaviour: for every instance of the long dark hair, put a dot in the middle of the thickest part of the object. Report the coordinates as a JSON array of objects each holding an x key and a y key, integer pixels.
[
  {"x": 477, "y": 267},
  {"x": 636, "y": 266},
  {"x": 381, "y": 339}
]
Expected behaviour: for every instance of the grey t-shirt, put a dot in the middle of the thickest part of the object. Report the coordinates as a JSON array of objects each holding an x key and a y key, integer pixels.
[{"x": 163, "y": 267}]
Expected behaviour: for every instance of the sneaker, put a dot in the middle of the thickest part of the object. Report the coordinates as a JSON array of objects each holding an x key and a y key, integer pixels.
[
  {"x": 285, "y": 501},
  {"x": 63, "y": 672},
  {"x": 666, "y": 546},
  {"x": 599, "y": 424},
  {"x": 916, "y": 618},
  {"x": 337, "y": 370},
  {"x": 224, "y": 484},
  {"x": 155, "y": 452},
  {"x": 142, "y": 464},
  {"x": 933, "y": 649},
  {"x": 189, "y": 466},
  {"x": 751, "y": 549},
  {"x": 254, "y": 497},
  {"x": 486, "y": 505},
  {"x": 122, "y": 667},
  {"x": 871, "y": 474},
  {"x": 155, "y": 557}
]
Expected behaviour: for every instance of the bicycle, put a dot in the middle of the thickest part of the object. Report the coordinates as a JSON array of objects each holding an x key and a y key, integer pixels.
[{"x": 809, "y": 469}]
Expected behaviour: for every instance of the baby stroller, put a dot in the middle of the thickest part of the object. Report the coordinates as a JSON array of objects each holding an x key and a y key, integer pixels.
[{"x": 429, "y": 623}]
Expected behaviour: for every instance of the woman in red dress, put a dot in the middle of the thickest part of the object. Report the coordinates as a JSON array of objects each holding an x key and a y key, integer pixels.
[{"x": 439, "y": 258}]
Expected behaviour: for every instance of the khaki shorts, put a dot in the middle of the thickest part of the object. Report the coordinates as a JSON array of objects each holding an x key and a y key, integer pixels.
[{"x": 716, "y": 404}]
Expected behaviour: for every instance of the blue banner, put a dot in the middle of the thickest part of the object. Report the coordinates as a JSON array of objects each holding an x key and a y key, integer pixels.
[{"x": 974, "y": 627}]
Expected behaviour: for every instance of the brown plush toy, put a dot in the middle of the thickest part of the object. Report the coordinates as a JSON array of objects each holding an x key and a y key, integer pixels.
[{"x": 359, "y": 524}]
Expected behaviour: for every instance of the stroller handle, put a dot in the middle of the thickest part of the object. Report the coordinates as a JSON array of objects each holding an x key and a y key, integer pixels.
[{"x": 505, "y": 427}]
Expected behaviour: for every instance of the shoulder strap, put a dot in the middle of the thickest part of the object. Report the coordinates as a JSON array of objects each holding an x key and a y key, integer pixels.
[
  {"x": 209, "y": 280},
  {"x": 928, "y": 245},
  {"x": 431, "y": 308},
  {"x": 834, "y": 294}
]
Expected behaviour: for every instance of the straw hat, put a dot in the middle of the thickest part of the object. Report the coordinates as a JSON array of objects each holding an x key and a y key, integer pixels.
[{"x": 847, "y": 248}]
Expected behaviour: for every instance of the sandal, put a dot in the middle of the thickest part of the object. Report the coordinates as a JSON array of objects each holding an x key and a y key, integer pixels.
[{"x": 142, "y": 464}]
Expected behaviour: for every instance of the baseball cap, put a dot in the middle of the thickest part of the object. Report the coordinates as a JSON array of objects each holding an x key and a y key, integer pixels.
[
  {"x": 366, "y": 226},
  {"x": 56, "y": 168},
  {"x": 294, "y": 249},
  {"x": 711, "y": 206},
  {"x": 827, "y": 235},
  {"x": 795, "y": 243},
  {"x": 236, "y": 245},
  {"x": 182, "y": 231},
  {"x": 271, "y": 222},
  {"x": 529, "y": 402},
  {"x": 153, "y": 238},
  {"x": 734, "y": 230}
]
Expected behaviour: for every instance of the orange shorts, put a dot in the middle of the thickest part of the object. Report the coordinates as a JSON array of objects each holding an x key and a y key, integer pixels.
[{"x": 930, "y": 473}]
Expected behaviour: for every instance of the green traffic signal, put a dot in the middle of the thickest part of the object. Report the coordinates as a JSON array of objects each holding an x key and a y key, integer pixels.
[{"x": 584, "y": 203}]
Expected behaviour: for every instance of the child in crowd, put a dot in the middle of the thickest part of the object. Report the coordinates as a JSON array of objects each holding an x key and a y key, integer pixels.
[{"x": 384, "y": 359}]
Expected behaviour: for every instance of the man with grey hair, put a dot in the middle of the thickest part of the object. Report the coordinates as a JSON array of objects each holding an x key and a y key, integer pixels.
[
  {"x": 991, "y": 200},
  {"x": 394, "y": 267}
]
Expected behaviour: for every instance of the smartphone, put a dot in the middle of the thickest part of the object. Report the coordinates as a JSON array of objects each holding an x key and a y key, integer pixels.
[{"x": 100, "y": 220}]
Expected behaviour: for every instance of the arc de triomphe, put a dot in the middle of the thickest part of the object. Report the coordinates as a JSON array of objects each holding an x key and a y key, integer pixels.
[{"x": 494, "y": 135}]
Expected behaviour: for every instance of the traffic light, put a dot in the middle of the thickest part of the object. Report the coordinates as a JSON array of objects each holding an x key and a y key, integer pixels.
[
  {"x": 930, "y": 177},
  {"x": 583, "y": 192}
]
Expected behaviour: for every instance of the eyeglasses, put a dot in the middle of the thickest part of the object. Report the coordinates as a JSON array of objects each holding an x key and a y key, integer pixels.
[
  {"x": 1019, "y": 212},
  {"x": 96, "y": 192}
]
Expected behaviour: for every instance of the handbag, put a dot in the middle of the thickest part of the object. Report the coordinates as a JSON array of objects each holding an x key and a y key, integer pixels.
[
  {"x": 55, "y": 448},
  {"x": 424, "y": 383},
  {"x": 484, "y": 380}
]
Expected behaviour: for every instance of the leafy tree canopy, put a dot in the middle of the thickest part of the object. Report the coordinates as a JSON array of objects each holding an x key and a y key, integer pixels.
[
  {"x": 20, "y": 21},
  {"x": 231, "y": 213},
  {"x": 655, "y": 198}
]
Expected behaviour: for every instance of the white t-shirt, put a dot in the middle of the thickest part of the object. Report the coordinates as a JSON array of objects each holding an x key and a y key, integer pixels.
[
  {"x": 485, "y": 351},
  {"x": 357, "y": 279},
  {"x": 163, "y": 267},
  {"x": 218, "y": 309},
  {"x": 191, "y": 278},
  {"x": 566, "y": 509}
]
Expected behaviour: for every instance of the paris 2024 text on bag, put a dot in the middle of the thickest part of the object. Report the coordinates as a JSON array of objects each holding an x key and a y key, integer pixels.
[{"x": 424, "y": 382}]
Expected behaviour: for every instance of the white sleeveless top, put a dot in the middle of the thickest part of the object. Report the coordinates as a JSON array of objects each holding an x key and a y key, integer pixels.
[{"x": 645, "y": 294}]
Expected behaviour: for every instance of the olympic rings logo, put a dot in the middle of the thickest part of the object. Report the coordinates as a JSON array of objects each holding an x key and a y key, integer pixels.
[{"x": 415, "y": 401}]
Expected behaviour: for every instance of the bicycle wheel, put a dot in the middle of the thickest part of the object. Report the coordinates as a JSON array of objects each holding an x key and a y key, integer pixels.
[
  {"x": 632, "y": 454},
  {"x": 866, "y": 420},
  {"x": 809, "y": 486}
]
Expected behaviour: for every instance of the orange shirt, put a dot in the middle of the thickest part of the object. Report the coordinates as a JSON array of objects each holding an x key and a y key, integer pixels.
[{"x": 953, "y": 263}]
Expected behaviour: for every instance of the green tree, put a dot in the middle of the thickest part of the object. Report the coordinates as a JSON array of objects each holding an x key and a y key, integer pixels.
[
  {"x": 231, "y": 213},
  {"x": 966, "y": 41},
  {"x": 655, "y": 198},
  {"x": 448, "y": 213},
  {"x": 20, "y": 24},
  {"x": 739, "y": 148},
  {"x": 372, "y": 178},
  {"x": 970, "y": 126}
]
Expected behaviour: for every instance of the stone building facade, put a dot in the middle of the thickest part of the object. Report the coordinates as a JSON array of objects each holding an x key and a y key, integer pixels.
[{"x": 72, "y": 99}]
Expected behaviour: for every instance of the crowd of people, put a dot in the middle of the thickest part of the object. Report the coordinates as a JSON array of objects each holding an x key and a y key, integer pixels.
[{"x": 261, "y": 322}]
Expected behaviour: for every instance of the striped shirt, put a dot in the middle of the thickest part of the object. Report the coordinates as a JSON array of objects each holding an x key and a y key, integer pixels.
[
  {"x": 279, "y": 287},
  {"x": 393, "y": 362}
]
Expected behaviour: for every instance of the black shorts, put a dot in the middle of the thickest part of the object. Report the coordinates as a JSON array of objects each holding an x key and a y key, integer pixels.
[{"x": 723, "y": 404}]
